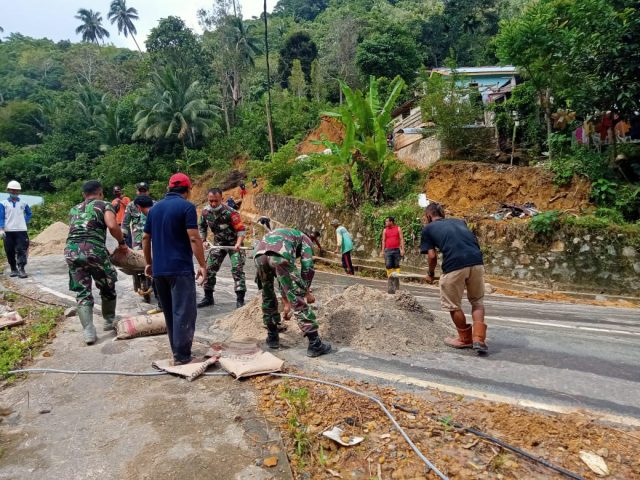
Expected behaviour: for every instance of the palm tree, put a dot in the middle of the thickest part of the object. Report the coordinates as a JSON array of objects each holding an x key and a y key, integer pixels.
[
  {"x": 172, "y": 108},
  {"x": 91, "y": 27},
  {"x": 125, "y": 17}
]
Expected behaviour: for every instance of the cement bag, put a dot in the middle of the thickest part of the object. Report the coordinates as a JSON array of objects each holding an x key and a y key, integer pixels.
[
  {"x": 130, "y": 262},
  {"x": 244, "y": 359},
  {"x": 140, "y": 326}
]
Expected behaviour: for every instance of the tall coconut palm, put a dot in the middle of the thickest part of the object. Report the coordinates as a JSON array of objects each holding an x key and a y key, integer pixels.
[
  {"x": 119, "y": 12},
  {"x": 173, "y": 108},
  {"x": 91, "y": 27}
]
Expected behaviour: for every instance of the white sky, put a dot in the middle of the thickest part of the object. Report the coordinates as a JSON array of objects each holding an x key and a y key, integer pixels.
[{"x": 54, "y": 19}]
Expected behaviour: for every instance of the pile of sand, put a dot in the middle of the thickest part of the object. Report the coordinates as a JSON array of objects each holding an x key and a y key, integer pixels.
[
  {"x": 50, "y": 241},
  {"x": 359, "y": 317}
]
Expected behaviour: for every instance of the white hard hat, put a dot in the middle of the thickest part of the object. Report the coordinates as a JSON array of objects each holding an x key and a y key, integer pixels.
[{"x": 13, "y": 185}]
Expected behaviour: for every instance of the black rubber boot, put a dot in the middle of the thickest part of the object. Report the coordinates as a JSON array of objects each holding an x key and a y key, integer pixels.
[
  {"x": 207, "y": 300},
  {"x": 316, "y": 346},
  {"x": 240, "y": 299},
  {"x": 273, "y": 338}
]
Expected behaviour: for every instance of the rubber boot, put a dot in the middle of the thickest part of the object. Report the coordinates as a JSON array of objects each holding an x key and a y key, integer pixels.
[
  {"x": 85, "y": 314},
  {"x": 391, "y": 285},
  {"x": 479, "y": 336},
  {"x": 396, "y": 282},
  {"x": 14, "y": 273},
  {"x": 240, "y": 299},
  {"x": 207, "y": 300},
  {"x": 108, "y": 313},
  {"x": 463, "y": 340},
  {"x": 273, "y": 338},
  {"x": 316, "y": 346},
  {"x": 22, "y": 273}
]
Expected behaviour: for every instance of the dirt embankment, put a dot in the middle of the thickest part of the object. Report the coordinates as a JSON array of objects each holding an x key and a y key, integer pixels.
[
  {"x": 470, "y": 188},
  {"x": 329, "y": 129}
]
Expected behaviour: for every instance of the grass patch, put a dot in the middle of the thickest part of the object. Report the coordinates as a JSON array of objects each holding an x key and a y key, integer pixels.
[{"x": 19, "y": 344}]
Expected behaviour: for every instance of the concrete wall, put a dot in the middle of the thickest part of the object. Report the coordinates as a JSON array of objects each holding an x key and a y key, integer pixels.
[
  {"x": 421, "y": 154},
  {"x": 594, "y": 262}
]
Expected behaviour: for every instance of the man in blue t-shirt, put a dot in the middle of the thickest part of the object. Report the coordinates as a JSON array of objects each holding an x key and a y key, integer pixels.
[
  {"x": 170, "y": 241},
  {"x": 344, "y": 245},
  {"x": 462, "y": 267}
]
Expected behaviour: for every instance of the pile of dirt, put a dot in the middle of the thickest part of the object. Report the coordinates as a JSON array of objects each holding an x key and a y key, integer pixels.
[
  {"x": 50, "y": 241},
  {"x": 330, "y": 129},
  {"x": 466, "y": 188},
  {"x": 359, "y": 317}
]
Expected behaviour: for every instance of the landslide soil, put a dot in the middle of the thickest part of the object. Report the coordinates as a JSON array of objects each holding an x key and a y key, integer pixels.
[
  {"x": 467, "y": 188},
  {"x": 430, "y": 424},
  {"x": 359, "y": 317},
  {"x": 329, "y": 129}
]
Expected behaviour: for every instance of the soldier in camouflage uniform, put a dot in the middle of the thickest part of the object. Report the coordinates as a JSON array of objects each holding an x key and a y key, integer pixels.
[
  {"x": 275, "y": 257},
  {"x": 134, "y": 219},
  {"x": 228, "y": 230},
  {"x": 88, "y": 258}
]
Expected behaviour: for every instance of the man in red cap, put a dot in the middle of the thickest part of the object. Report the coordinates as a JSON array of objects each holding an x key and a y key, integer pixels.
[{"x": 170, "y": 240}]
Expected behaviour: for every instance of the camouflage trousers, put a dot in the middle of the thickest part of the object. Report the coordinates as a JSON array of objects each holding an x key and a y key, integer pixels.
[
  {"x": 214, "y": 262},
  {"x": 274, "y": 267},
  {"x": 86, "y": 263}
]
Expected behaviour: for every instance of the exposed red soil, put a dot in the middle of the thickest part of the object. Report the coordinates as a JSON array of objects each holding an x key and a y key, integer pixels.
[{"x": 329, "y": 129}]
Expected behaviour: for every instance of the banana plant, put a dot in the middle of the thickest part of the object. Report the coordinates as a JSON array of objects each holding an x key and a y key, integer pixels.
[{"x": 366, "y": 120}]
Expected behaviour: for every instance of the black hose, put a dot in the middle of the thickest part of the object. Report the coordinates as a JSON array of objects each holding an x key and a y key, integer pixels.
[{"x": 517, "y": 450}]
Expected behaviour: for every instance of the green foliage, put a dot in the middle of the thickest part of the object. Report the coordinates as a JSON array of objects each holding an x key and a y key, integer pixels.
[
  {"x": 390, "y": 52},
  {"x": 407, "y": 215},
  {"x": 577, "y": 160},
  {"x": 20, "y": 343},
  {"x": 173, "y": 108},
  {"x": 364, "y": 149},
  {"x": 610, "y": 214},
  {"x": 297, "y": 46},
  {"x": 453, "y": 107},
  {"x": 20, "y": 123},
  {"x": 91, "y": 27},
  {"x": 544, "y": 224},
  {"x": 55, "y": 209},
  {"x": 129, "y": 164},
  {"x": 603, "y": 191}
]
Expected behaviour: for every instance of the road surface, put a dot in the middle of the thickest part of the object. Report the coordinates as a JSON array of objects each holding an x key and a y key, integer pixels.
[{"x": 555, "y": 356}]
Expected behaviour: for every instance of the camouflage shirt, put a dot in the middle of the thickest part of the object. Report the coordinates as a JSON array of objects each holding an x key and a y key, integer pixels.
[
  {"x": 86, "y": 223},
  {"x": 290, "y": 244},
  {"x": 225, "y": 223},
  {"x": 133, "y": 223}
]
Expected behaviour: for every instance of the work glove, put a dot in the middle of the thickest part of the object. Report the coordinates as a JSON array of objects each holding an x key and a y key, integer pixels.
[{"x": 3, "y": 234}]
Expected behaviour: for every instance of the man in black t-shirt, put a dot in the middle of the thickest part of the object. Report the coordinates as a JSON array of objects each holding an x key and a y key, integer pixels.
[{"x": 462, "y": 267}]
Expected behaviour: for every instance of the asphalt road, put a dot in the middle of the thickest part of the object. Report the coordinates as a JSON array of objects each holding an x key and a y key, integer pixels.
[{"x": 555, "y": 356}]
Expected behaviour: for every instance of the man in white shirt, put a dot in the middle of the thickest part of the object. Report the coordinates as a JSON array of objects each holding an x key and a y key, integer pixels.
[{"x": 14, "y": 217}]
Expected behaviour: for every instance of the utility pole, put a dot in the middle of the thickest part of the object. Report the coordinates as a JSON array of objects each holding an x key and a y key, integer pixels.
[{"x": 266, "y": 49}]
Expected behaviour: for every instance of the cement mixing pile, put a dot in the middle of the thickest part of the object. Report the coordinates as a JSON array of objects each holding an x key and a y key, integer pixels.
[
  {"x": 359, "y": 317},
  {"x": 50, "y": 241}
]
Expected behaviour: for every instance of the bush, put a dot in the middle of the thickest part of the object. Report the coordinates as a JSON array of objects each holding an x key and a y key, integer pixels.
[
  {"x": 609, "y": 214},
  {"x": 407, "y": 215},
  {"x": 544, "y": 224},
  {"x": 603, "y": 192},
  {"x": 579, "y": 161}
]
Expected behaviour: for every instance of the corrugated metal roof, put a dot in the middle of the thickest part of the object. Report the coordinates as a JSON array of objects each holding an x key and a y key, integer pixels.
[{"x": 490, "y": 70}]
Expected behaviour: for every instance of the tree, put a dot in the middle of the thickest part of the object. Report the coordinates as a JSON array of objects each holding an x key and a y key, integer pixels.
[
  {"x": 389, "y": 52},
  {"x": 20, "y": 123},
  {"x": 368, "y": 119},
  {"x": 171, "y": 43},
  {"x": 91, "y": 28},
  {"x": 298, "y": 46},
  {"x": 124, "y": 17},
  {"x": 300, "y": 9},
  {"x": 173, "y": 108},
  {"x": 318, "y": 88},
  {"x": 297, "y": 83}
]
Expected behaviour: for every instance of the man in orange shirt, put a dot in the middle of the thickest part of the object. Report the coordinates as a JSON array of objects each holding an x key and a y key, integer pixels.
[{"x": 119, "y": 204}]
